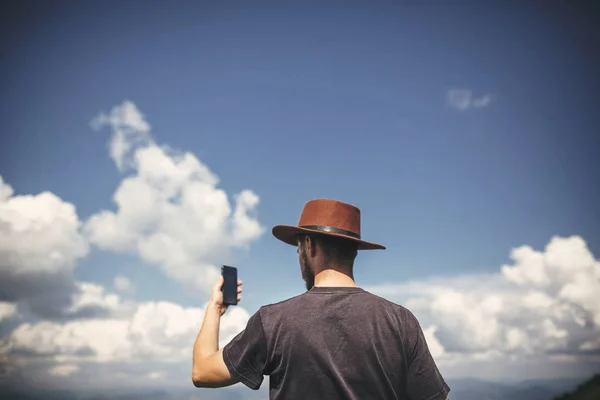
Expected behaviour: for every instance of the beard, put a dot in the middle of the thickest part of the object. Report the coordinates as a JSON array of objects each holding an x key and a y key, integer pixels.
[{"x": 308, "y": 273}]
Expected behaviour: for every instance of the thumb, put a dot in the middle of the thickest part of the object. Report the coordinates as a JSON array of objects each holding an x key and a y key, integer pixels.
[{"x": 219, "y": 284}]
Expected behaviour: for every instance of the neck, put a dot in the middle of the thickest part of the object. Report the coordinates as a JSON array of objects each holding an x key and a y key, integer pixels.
[{"x": 334, "y": 278}]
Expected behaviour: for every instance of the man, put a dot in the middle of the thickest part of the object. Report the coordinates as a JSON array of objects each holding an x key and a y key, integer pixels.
[{"x": 336, "y": 341}]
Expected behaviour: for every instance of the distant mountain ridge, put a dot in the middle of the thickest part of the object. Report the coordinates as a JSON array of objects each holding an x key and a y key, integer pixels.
[
  {"x": 462, "y": 389},
  {"x": 588, "y": 390},
  {"x": 473, "y": 389}
]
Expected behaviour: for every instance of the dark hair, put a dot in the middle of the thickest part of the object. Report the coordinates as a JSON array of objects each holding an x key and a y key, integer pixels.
[{"x": 335, "y": 249}]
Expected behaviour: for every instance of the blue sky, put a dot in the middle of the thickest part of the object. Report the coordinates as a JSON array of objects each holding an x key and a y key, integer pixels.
[{"x": 297, "y": 102}]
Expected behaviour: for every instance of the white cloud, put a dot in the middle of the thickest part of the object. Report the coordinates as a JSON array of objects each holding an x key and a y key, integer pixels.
[
  {"x": 156, "y": 332},
  {"x": 6, "y": 191},
  {"x": 92, "y": 299},
  {"x": 463, "y": 99},
  {"x": 435, "y": 347},
  {"x": 63, "y": 370},
  {"x": 123, "y": 285},
  {"x": 566, "y": 272},
  {"x": 38, "y": 234},
  {"x": 169, "y": 211},
  {"x": 546, "y": 303},
  {"x": 482, "y": 101},
  {"x": 129, "y": 129},
  {"x": 40, "y": 245},
  {"x": 155, "y": 375},
  {"x": 7, "y": 310}
]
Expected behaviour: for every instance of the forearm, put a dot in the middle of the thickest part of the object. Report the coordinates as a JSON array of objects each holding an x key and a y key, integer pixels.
[
  {"x": 208, "y": 366},
  {"x": 207, "y": 341}
]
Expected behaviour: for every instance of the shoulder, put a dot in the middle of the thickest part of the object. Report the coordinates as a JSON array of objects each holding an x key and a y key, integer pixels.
[
  {"x": 406, "y": 320},
  {"x": 398, "y": 309},
  {"x": 280, "y": 307}
]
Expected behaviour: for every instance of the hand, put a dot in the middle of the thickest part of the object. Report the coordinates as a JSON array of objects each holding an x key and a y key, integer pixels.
[{"x": 216, "y": 297}]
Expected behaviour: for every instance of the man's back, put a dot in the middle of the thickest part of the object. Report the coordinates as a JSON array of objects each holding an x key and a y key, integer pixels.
[{"x": 336, "y": 343}]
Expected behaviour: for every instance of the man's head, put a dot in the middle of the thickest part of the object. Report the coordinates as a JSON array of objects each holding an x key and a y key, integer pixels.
[
  {"x": 317, "y": 253},
  {"x": 328, "y": 237}
]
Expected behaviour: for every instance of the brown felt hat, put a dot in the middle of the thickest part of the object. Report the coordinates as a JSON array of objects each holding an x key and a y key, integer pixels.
[{"x": 326, "y": 217}]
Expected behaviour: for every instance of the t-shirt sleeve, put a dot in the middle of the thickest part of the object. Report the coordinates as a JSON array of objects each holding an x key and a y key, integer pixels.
[
  {"x": 245, "y": 356},
  {"x": 424, "y": 380}
]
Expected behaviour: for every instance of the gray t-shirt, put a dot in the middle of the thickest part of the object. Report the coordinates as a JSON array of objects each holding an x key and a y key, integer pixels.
[{"x": 336, "y": 343}]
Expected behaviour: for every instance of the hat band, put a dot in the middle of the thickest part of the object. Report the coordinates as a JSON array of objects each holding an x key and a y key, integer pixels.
[{"x": 330, "y": 229}]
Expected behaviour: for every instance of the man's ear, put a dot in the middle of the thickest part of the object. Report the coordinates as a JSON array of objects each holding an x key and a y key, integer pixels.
[
  {"x": 311, "y": 246},
  {"x": 304, "y": 244}
]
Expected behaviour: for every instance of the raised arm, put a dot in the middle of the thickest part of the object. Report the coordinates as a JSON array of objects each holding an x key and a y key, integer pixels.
[{"x": 208, "y": 367}]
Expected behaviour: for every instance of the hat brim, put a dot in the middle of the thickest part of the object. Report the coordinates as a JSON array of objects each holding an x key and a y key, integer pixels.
[{"x": 289, "y": 234}]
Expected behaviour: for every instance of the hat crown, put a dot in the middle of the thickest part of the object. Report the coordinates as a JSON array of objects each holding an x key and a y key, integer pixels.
[{"x": 331, "y": 213}]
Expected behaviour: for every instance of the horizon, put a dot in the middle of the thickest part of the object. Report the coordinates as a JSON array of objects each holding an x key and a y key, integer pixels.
[
  {"x": 143, "y": 148},
  {"x": 473, "y": 388}
]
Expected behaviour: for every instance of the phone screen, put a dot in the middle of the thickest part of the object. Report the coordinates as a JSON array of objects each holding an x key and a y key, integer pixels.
[{"x": 230, "y": 285}]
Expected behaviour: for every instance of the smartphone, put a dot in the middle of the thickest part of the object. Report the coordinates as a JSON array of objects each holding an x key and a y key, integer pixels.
[{"x": 230, "y": 286}]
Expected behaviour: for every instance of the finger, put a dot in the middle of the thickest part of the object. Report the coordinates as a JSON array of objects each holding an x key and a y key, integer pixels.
[
  {"x": 240, "y": 283},
  {"x": 239, "y": 290},
  {"x": 239, "y": 298}
]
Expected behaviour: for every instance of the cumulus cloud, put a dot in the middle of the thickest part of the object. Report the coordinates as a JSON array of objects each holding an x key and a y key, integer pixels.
[
  {"x": 38, "y": 233},
  {"x": 90, "y": 299},
  {"x": 156, "y": 332},
  {"x": 544, "y": 303},
  {"x": 464, "y": 99},
  {"x": 169, "y": 209},
  {"x": 40, "y": 245}
]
